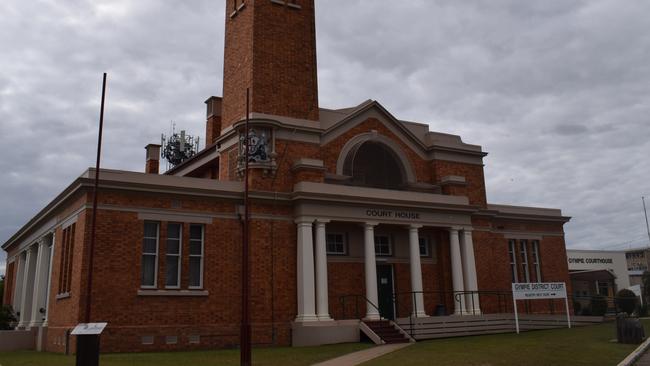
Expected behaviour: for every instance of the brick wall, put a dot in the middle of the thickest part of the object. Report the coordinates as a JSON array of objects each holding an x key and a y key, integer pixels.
[
  {"x": 9, "y": 284},
  {"x": 474, "y": 177},
  {"x": 332, "y": 150},
  {"x": 215, "y": 318},
  {"x": 279, "y": 66}
]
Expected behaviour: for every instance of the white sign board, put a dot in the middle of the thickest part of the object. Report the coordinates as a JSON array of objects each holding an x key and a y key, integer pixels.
[
  {"x": 539, "y": 291},
  {"x": 89, "y": 329},
  {"x": 536, "y": 291}
]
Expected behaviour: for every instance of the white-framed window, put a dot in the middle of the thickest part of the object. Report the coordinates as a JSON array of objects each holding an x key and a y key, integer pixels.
[
  {"x": 67, "y": 256},
  {"x": 150, "y": 255},
  {"x": 536, "y": 266},
  {"x": 383, "y": 247},
  {"x": 197, "y": 238},
  {"x": 424, "y": 247},
  {"x": 173, "y": 256},
  {"x": 523, "y": 251},
  {"x": 336, "y": 244},
  {"x": 513, "y": 260}
]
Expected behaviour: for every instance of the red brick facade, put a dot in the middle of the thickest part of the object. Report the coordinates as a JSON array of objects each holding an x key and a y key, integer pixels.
[
  {"x": 278, "y": 66},
  {"x": 280, "y": 69},
  {"x": 10, "y": 282}
]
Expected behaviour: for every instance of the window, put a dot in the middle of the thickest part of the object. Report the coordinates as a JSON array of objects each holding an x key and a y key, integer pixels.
[
  {"x": 383, "y": 245},
  {"x": 173, "y": 256},
  {"x": 196, "y": 256},
  {"x": 513, "y": 261},
  {"x": 336, "y": 244},
  {"x": 523, "y": 251},
  {"x": 536, "y": 266},
  {"x": 150, "y": 255},
  {"x": 376, "y": 165},
  {"x": 67, "y": 254},
  {"x": 424, "y": 247}
]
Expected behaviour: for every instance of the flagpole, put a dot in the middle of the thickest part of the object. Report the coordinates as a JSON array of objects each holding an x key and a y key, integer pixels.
[
  {"x": 245, "y": 334},
  {"x": 93, "y": 224},
  {"x": 646, "y": 219}
]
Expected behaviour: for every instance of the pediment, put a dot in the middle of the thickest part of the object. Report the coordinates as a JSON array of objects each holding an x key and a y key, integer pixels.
[{"x": 374, "y": 110}]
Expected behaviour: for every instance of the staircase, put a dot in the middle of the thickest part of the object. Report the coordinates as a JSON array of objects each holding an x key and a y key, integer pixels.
[
  {"x": 470, "y": 325},
  {"x": 387, "y": 331}
]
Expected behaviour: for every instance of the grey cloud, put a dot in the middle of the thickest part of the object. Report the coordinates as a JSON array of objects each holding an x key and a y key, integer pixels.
[{"x": 557, "y": 91}]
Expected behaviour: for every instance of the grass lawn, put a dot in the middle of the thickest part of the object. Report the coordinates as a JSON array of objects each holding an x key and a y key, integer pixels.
[
  {"x": 579, "y": 346},
  {"x": 261, "y": 356}
]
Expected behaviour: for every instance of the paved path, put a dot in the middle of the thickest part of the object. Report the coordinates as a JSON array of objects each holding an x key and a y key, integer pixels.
[
  {"x": 644, "y": 360},
  {"x": 357, "y": 358}
]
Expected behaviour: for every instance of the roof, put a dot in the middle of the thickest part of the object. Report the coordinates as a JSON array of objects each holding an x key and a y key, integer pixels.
[
  {"x": 136, "y": 181},
  {"x": 592, "y": 275}
]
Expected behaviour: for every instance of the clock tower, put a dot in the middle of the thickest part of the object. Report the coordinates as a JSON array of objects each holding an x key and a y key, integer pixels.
[{"x": 270, "y": 47}]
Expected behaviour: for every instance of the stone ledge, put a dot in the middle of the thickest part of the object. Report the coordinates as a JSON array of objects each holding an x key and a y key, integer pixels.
[
  {"x": 174, "y": 293},
  {"x": 304, "y": 163},
  {"x": 282, "y": 2},
  {"x": 62, "y": 296},
  {"x": 453, "y": 180}
]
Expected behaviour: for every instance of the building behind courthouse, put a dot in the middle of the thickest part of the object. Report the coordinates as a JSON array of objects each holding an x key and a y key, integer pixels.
[{"x": 348, "y": 201}]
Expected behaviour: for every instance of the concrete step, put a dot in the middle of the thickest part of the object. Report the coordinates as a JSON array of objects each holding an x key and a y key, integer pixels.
[
  {"x": 457, "y": 326},
  {"x": 387, "y": 332}
]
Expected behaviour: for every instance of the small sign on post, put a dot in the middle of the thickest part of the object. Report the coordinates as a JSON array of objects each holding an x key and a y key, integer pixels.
[
  {"x": 88, "y": 343},
  {"x": 539, "y": 291}
]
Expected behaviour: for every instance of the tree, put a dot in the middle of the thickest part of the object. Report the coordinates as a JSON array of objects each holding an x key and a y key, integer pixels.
[
  {"x": 6, "y": 313},
  {"x": 626, "y": 301}
]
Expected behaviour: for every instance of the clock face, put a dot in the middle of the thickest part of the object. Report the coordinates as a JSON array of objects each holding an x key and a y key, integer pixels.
[{"x": 257, "y": 145}]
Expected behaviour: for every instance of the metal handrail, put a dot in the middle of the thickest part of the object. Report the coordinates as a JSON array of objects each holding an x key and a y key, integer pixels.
[
  {"x": 459, "y": 297},
  {"x": 504, "y": 303},
  {"x": 356, "y": 298}
]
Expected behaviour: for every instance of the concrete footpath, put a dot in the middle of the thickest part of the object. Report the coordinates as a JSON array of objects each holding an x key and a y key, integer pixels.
[
  {"x": 643, "y": 360},
  {"x": 357, "y": 358}
]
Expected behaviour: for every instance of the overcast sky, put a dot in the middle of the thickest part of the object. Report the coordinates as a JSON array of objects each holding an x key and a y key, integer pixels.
[{"x": 557, "y": 91}]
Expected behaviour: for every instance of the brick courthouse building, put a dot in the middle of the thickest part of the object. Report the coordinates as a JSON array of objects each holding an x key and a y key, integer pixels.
[{"x": 344, "y": 202}]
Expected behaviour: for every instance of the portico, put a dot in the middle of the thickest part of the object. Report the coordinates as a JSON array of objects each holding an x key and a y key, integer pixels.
[
  {"x": 371, "y": 235},
  {"x": 33, "y": 274}
]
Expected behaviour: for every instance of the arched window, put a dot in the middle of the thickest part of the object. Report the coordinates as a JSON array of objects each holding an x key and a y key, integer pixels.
[{"x": 373, "y": 164}]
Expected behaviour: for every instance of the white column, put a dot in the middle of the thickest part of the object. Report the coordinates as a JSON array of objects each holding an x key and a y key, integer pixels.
[
  {"x": 40, "y": 283},
  {"x": 456, "y": 268},
  {"x": 28, "y": 283},
  {"x": 322, "y": 303},
  {"x": 469, "y": 272},
  {"x": 371, "y": 271},
  {"x": 416, "y": 271},
  {"x": 49, "y": 279},
  {"x": 306, "y": 301},
  {"x": 18, "y": 282}
]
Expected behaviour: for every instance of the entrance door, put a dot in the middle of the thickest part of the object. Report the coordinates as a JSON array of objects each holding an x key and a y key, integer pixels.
[{"x": 385, "y": 291}]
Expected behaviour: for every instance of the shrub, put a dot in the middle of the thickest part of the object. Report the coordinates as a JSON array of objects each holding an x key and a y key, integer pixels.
[
  {"x": 598, "y": 305},
  {"x": 6, "y": 317},
  {"x": 643, "y": 310},
  {"x": 577, "y": 307},
  {"x": 626, "y": 301}
]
